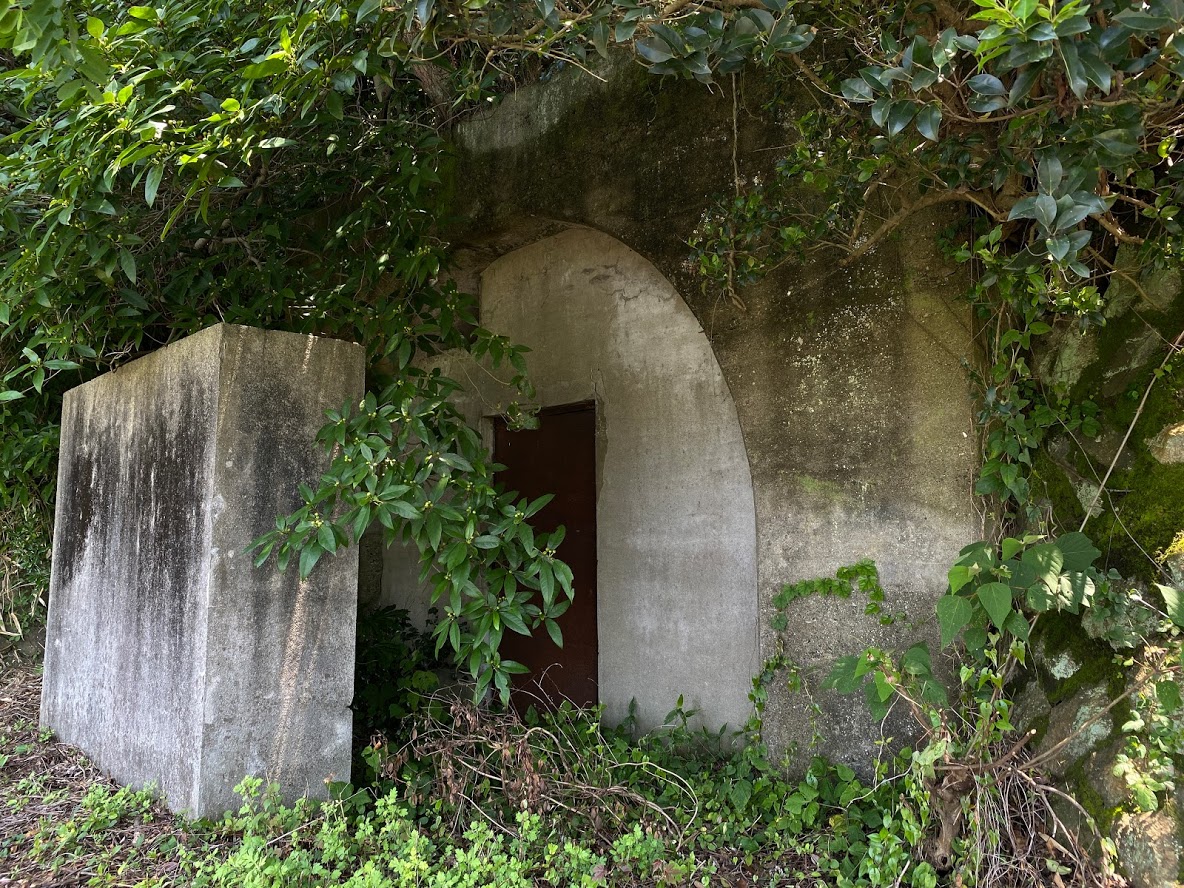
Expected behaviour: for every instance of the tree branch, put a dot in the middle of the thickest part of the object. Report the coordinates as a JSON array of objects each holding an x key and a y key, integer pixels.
[{"x": 929, "y": 200}]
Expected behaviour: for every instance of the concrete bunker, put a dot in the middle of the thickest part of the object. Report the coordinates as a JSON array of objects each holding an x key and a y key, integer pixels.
[
  {"x": 170, "y": 660},
  {"x": 676, "y": 567}
]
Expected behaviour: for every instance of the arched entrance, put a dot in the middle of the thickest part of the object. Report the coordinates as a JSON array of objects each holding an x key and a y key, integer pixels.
[{"x": 676, "y": 567}]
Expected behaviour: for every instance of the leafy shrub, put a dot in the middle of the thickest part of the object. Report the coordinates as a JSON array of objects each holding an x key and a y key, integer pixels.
[
  {"x": 24, "y": 568},
  {"x": 394, "y": 674}
]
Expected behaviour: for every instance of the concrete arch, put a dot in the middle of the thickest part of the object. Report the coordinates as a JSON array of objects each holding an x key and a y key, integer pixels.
[{"x": 676, "y": 520}]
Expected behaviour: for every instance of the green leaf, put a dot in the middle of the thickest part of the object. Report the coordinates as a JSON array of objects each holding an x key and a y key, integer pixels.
[
  {"x": 546, "y": 583},
  {"x": 326, "y": 537},
  {"x": 95, "y": 27},
  {"x": 1046, "y": 561},
  {"x": 740, "y": 794},
  {"x": 554, "y": 631},
  {"x": 1078, "y": 550},
  {"x": 1173, "y": 600},
  {"x": 1045, "y": 210},
  {"x": 10, "y": 395},
  {"x": 953, "y": 614},
  {"x": 975, "y": 639},
  {"x": 1169, "y": 695},
  {"x": 916, "y": 660},
  {"x": 987, "y": 85},
  {"x": 309, "y": 556},
  {"x": 900, "y": 115},
  {"x": 600, "y": 39},
  {"x": 152, "y": 183},
  {"x": 1040, "y": 598},
  {"x": 653, "y": 50},
  {"x": 856, "y": 89},
  {"x": 402, "y": 509},
  {"x": 367, "y": 8},
  {"x": 265, "y": 68},
  {"x": 538, "y": 505},
  {"x": 1018, "y": 625},
  {"x": 996, "y": 601},
  {"x": 128, "y": 263},
  {"x": 959, "y": 576},
  {"x": 1121, "y": 143},
  {"x": 842, "y": 675},
  {"x": 884, "y": 688},
  {"x": 929, "y": 122},
  {"x": 1137, "y": 19}
]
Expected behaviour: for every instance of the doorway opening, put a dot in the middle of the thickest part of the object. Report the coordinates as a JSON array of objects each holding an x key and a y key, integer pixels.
[{"x": 558, "y": 457}]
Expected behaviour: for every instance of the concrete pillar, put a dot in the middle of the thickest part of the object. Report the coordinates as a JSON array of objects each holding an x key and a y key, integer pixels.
[{"x": 170, "y": 659}]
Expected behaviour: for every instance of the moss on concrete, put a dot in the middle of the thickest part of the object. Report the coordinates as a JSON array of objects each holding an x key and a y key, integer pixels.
[
  {"x": 1148, "y": 508},
  {"x": 1149, "y": 515},
  {"x": 1060, "y": 633},
  {"x": 1050, "y": 484},
  {"x": 1081, "y": 783}
]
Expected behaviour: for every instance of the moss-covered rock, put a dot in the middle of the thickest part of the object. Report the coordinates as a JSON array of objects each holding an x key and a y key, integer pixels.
[
  {"x": 1141, "y": 511},
  {"x": 1149, "y": 848}
]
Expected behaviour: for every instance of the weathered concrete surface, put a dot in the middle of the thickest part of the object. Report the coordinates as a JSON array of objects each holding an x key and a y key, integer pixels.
[
  {"x": 676, "y": 528},
  {"x": 848, "y": 382},
  {"x": 169, "y": 658}
]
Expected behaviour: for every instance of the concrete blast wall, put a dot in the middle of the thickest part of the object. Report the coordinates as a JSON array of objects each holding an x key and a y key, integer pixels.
[{"x": 169, "y": 658}]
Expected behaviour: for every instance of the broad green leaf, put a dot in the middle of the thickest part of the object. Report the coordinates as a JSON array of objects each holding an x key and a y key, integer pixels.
[
  {"x": 1040, "y": 598},
  {"x": 1169, "y": 695},
  {"x": 959, "y": 576},
  {"x": 842, "y": 675},
  {"x": 1121, "y": 143},
  {"x": 917, "y": 661},
  {"x": 1017, "y": 625},
  {"x": 1173, "y": 600},
  {"x": 987, "y": 85},
  {"x": 326, "y": 537},
  {"x": 900, "y": 116},
  {"x": 856, "y": 89},
  {"x": 1046, "y": 561},
  {"x": 996, "y": 601},
  {"x": 953, "y": 614},
  {"x": 265, "y": 68},
  {"x": 309, "y": 556},
  {"x": 653, "y": 50},
  {"x": 1078, "y": 551},
  {"x": 1137, "y": 19}
]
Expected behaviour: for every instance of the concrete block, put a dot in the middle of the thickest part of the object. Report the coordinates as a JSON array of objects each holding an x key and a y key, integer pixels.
[{"x": 169, "y": 658}]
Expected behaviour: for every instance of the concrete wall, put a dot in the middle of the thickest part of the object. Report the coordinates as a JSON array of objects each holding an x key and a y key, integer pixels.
[
  {"x": 848, "y": 382},
  {"x": 676, "y": 528},
  {"x": 169, "y": 658}
]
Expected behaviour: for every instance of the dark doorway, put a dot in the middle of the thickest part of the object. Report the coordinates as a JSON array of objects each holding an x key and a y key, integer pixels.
[{"x": 558, "y": 457}]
